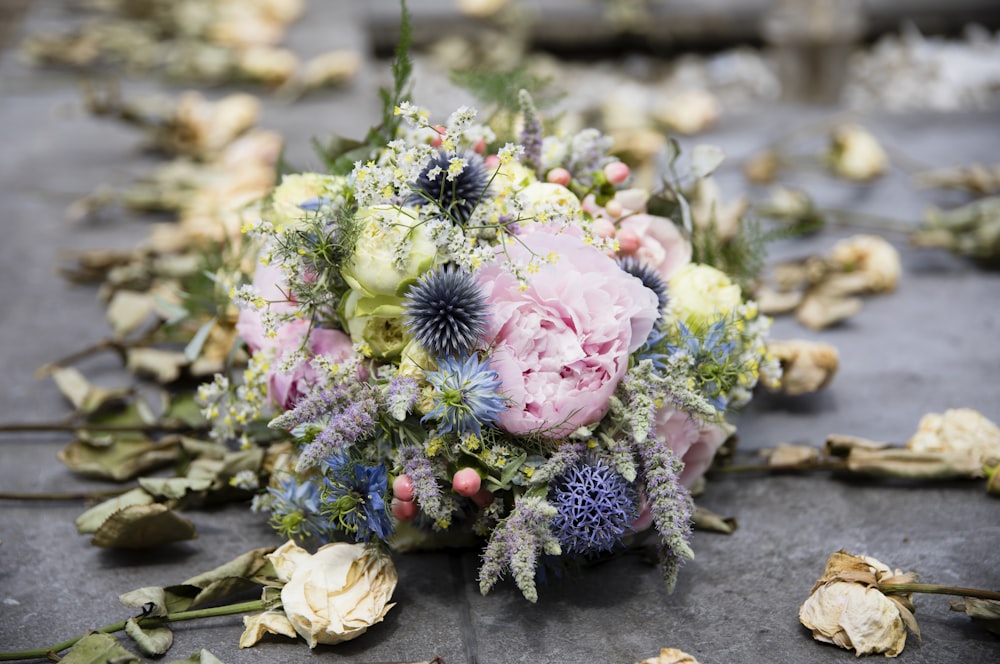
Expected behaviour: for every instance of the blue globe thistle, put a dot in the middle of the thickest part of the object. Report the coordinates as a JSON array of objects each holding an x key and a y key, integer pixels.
[
  {"x": 295, "y": 510},
  {"x": 354, "y": 498},
  {"x": 649, "y": 277},
  {"x": 465, "y": 395},
  {"x": 456, "y": 183},
  {"x": 596, "y": 507},
  {"x": 446, "y": 311}
]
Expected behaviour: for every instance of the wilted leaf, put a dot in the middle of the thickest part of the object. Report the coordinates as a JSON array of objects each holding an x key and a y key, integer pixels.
[
  {"x": 86, "y": 398},
  {"x": 173, "y": 488},
  {"x": 708, "y": 520},
  {"x": 223, "y": 581},
  {"x": 202, "y": 448},
  {"x": 193, "y": 349},
  {"x": 142, "y": 527},
  {"x": 793, "y": 455},
  {"x": 88, "y": 522},
  {"x": 202, "y": 657},
  {"x": 151, "y": 599},
  {"x": 907, "y": 464},
  {"x": 163, "y": 365},
  {"x": 98, "y": 648},
  {"x": 120, "y": 460},
  {"x": 986, "y": 612},
  {"x": 841, "y": 445},
  {"x": 183, "y": 409},
  {"x": 128, "y": 310},
  {"x": 705, "y": 159},
  {"x": 152, "y": 641}
]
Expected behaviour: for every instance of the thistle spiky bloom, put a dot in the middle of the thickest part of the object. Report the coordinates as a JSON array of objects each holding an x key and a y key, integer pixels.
[
  {"x": 649, "y": 277},
  {"x": 596, "y": 508},
  {"x": 454, "y": 183},
  {"x": 465, "y": 395},
  {"x": 446, "y": 311}
]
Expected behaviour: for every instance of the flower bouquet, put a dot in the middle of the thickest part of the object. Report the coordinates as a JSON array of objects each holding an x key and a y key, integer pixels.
[{"x": 503, "y": 340}]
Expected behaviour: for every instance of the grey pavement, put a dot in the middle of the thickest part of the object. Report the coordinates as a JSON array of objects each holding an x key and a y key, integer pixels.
[{"x": 932, "y": 345}]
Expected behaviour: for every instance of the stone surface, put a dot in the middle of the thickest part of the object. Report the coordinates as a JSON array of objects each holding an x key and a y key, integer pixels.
[{"x": 928, "y": 347}]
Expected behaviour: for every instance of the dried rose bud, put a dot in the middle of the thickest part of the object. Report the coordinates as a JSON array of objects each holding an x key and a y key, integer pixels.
[
  {"x": 670, "y": 656},
  {"x": 806, "y": 366},
  {"x": 960, "y": 430},
  {"x": 848, "y": 609},
  {"x": 855, "y": 154}
]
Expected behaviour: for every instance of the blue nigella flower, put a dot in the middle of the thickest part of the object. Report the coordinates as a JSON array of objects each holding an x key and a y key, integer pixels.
[
  {"x": 446, "y": 311},
  {"x": 354, "y": 497},
  {"x": 710, "y": 351},
  {"x": 649, "y": 277},
  {"x": 295, "y": 510},
  {"x": 457, "y": 194},
  {"x": 596, "y": 507},
  {"x": 465, "y": 395}
]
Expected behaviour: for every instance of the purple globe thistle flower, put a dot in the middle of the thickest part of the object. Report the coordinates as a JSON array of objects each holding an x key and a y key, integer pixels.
[
  {"x": 446, "y": 311},
  {"x": 456, "y": 183},
  {"x": 295, "y": 511},
  {"x": 465, "y": 395},
  {"x": 596, "y": 507},
  {"x": 354, "y": 498}
]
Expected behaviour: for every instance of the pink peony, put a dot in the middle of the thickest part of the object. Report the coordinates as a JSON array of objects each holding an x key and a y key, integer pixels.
[
  {"x": 661, "y": 245},
  {"x": 285, "y": 389},
  {"x": 694, "y": 441},
  {"x": 561, "y": 345},
  {"x": 655, "y": 241}
]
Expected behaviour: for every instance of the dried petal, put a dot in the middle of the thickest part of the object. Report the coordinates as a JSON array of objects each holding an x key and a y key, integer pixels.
[
  {"x": 806, "y": 366},
  {"x": 670, "y": 656},
  {"x": 960, "y": 430}
]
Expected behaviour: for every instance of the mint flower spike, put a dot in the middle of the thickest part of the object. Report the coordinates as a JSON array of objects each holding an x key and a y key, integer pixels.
[
  {"x": 516, "y": 544},
  {"x": 465, "y": 395},
  {"x": 446, "y": 312}
]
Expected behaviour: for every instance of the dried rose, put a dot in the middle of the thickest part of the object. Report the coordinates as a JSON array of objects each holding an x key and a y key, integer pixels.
[
  {"x": 670, "y": 656},
  {"x": 875, "y": 261},
  {"x": 855, "y": 154},
  {"x": 960, "y": 430},
  {"x": 806, "y": 366},
  {"x": 848, "y": 609},
  {"x": 328, "y": 597}
]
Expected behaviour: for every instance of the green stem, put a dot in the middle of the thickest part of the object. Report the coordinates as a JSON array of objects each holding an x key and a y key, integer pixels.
[
  {"x": 228, "y": 610},
  {"x": 938, "y": 589}
]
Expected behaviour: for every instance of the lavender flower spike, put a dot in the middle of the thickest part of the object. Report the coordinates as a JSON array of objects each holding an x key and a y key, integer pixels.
[
  {"x": 531, "y": 135},
  {"x": 670, "y": 503}
]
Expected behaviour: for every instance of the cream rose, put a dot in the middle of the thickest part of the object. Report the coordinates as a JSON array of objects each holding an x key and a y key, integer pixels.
[
  {"x": 702, "y": 292},
  {"x": 333, "y": 595},
  {"x": 386, "y": 231},
  {"x": 297, "y": 188}
]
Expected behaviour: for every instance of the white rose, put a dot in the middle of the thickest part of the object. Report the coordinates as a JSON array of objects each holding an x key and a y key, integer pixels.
[
  {"x": 335, "y": 594},
  {"x": 548, "y": 203},
  {"x": 385, "y": 232},
  {"x": 297, "y": 188}
]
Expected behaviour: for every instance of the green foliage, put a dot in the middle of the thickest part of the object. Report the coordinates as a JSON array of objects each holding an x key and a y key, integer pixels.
[
  {"x": 339, "y": 154},
  {"x": 742, "y": 256},
  {"x": 496, "y": 93}
]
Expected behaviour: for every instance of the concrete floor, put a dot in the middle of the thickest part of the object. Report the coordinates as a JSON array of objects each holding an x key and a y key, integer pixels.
[{"x": 928, "y": 347}]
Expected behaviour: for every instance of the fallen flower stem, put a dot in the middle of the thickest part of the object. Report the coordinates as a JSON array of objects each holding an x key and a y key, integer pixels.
[
  {"x": 32, "y": 427},
  {"x": 72, "y": 358},
  {"x": 938, "y": 589},
  {"x": 81, "y": 495},
  {"x": 808, "y": 467},
  {"x": 228, "y": 610}
]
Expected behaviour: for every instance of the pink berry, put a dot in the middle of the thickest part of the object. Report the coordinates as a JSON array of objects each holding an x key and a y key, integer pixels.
[
  {"x": 404, "y": 510},
  {"x": 466, "y": 482},
  {"x": 402, "y": 487},
  {"x": 614, "y": 208},
  {"x": 437, "y": 140},
  {"x": 492, "y": 162},
  {"x": 480, "y": 146},
  {"x": 628, "y": 241},
  {"x": 616, "y": 172},
  {"x": 483, "y": 497},
  {"x": 558, "y": 176}
]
